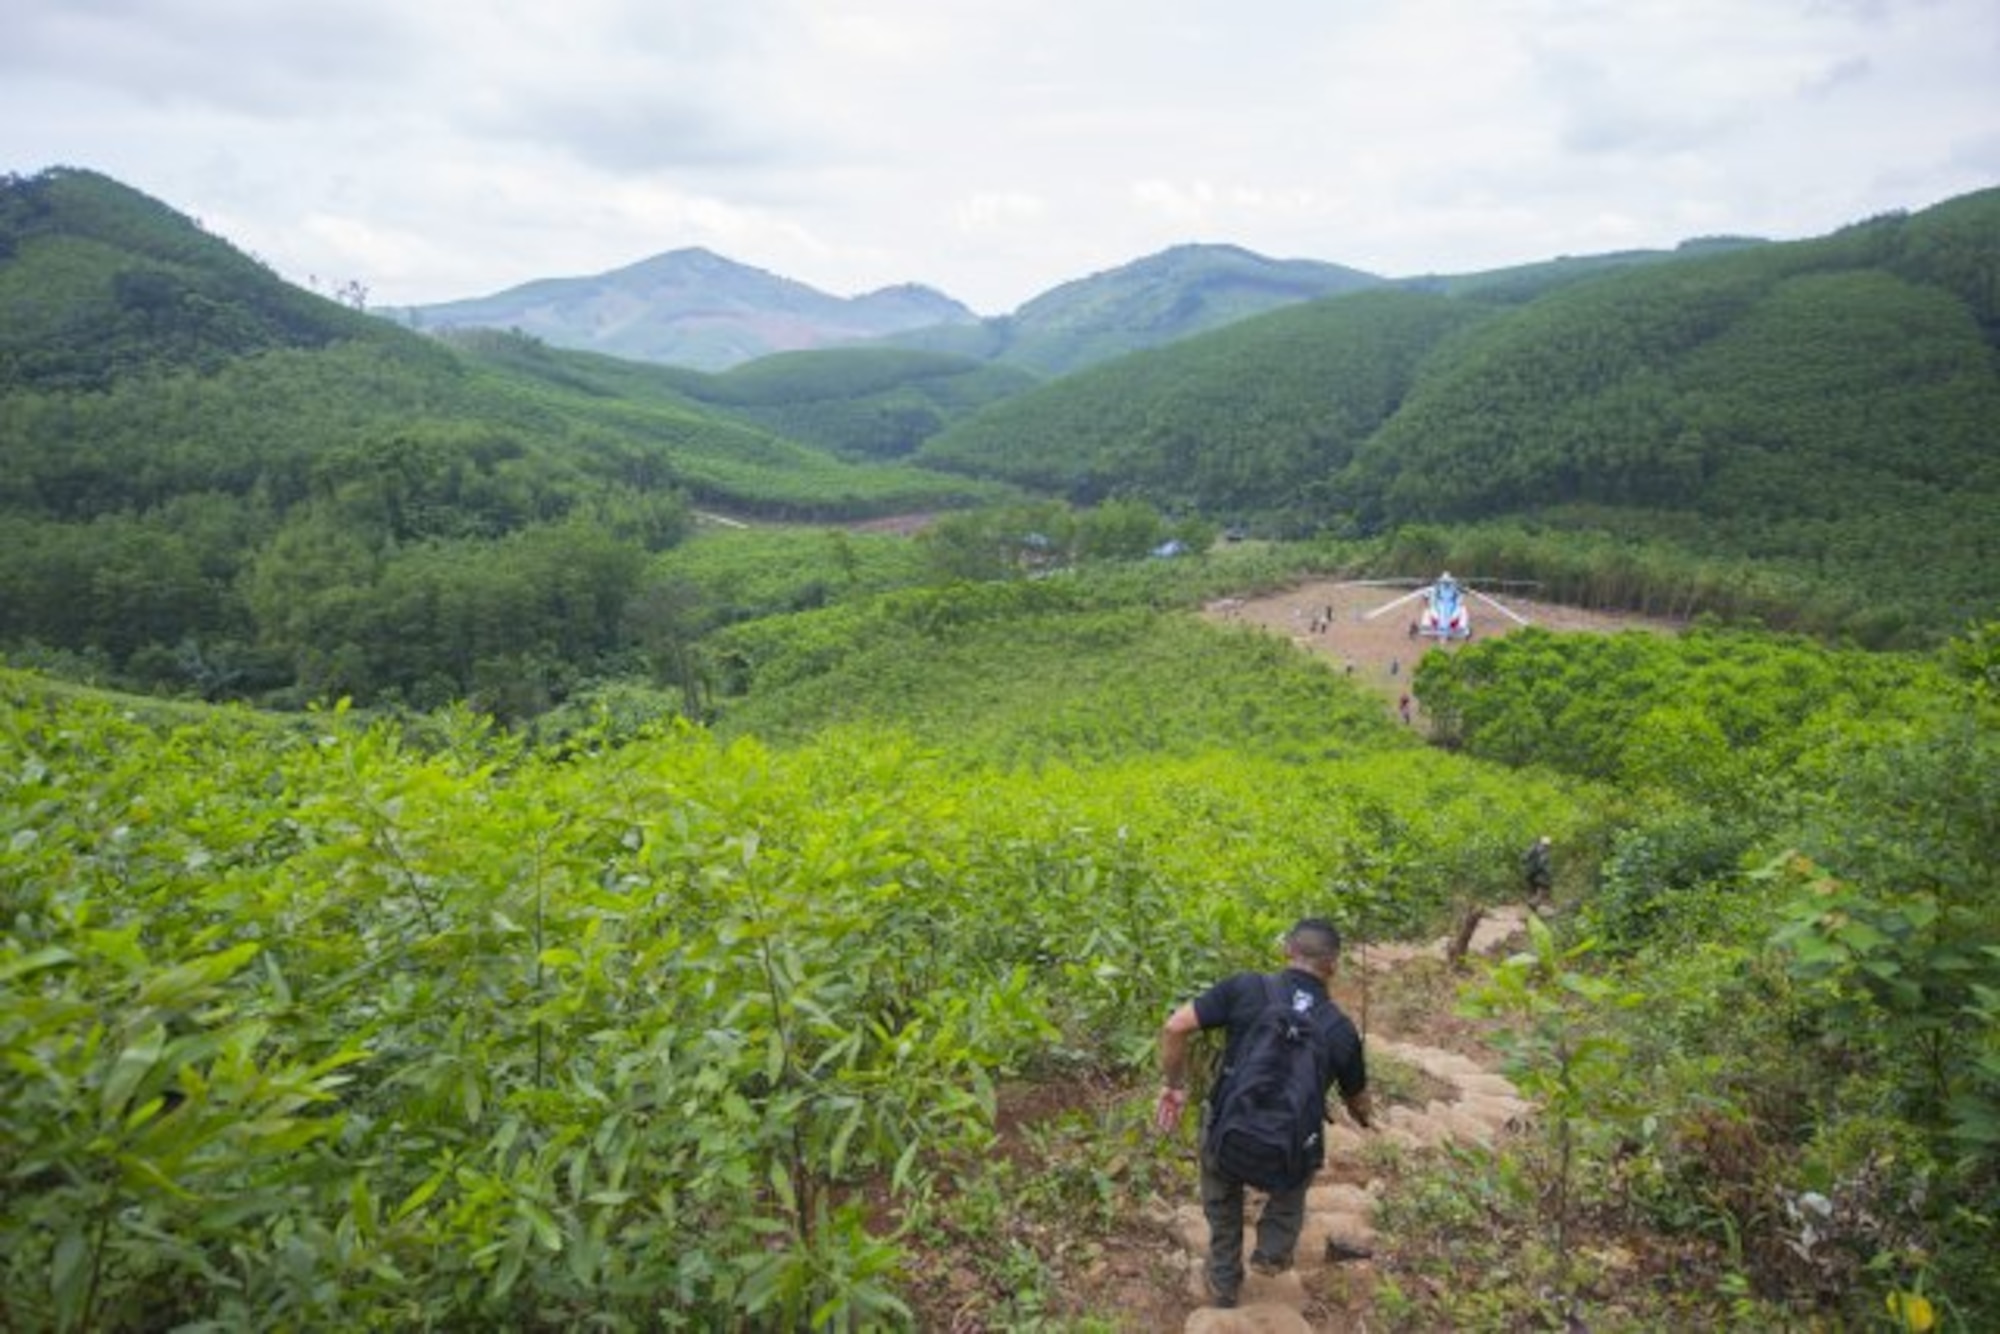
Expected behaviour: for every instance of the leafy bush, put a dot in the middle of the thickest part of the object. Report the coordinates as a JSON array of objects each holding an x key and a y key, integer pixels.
[{"x": 304, "y": 1023}]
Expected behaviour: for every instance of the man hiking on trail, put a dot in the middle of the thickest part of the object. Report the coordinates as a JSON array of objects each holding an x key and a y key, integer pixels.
[
  {"x": 1537, "y": 874},
  {"x": 1264, "y": 1122},
  {"x": 1538, "y": 869}
]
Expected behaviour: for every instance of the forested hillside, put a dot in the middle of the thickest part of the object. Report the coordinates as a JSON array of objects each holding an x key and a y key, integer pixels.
[
  {"x": 1803, "y": 430},
  {"x": 1821, "y": 408},
  {"x": 1151, "y": 302},
  {"x": 99, "y": 282},
  {"x": 880, "y": 403},
  {"x": 1524, "y": 282},
  {"x": 1254, "y": 420},
  {"x": 1829, "y": 404},
  {"x": 213, "y": 481}
]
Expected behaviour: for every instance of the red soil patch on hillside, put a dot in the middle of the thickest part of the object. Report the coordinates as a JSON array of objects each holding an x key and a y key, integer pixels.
[{"x": 896, "y": 525}]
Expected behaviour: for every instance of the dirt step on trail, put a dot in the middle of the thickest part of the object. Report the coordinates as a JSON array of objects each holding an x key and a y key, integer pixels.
[{"x": 1339, "y": 1227}]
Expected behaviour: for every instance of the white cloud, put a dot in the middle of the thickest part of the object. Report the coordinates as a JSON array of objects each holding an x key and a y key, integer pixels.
[
  {"x": 997, "y": 211},
  {"x": 994, "y": 150}
]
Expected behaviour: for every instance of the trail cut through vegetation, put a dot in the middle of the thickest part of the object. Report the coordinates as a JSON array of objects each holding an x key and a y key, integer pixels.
[{"x": 1436, "y": 1090}]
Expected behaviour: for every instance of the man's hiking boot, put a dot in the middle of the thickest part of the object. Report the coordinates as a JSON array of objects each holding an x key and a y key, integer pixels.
[
  {"x": 1267, "y": 1265},
  {"x": 1221, "y": 1298},
  {"x": 1340, "y": 1252}
]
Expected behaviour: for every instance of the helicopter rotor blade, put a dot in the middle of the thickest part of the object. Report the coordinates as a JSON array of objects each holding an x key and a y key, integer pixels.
[
  {"x": 1407, "y": 597},
  {"x": 1500, "y": 607}
]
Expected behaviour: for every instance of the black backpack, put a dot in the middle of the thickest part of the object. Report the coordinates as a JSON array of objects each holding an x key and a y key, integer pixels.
[{"x": 1268, "y": 1119}]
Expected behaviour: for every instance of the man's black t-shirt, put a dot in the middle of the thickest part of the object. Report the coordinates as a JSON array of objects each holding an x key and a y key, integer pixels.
[{"x": 1235, "y": 1002}]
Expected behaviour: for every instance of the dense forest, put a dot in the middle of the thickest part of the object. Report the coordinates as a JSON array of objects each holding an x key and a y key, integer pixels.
[
  {"x": 1257, "y": 420},
  {"x": 859, "y": 402}
]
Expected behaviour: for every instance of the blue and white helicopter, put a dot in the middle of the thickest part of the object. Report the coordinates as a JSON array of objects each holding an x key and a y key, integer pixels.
[{"x": 1446, "y": 614}]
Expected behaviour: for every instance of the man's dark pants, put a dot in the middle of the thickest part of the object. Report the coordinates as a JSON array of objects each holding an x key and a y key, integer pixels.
[{"x": 1278, "y": 1225}]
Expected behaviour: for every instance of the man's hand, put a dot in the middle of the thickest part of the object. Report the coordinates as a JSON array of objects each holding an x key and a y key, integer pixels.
[
  {"x": 1362, "y": 1108},
  {"x": 1174, "y": 1035}
]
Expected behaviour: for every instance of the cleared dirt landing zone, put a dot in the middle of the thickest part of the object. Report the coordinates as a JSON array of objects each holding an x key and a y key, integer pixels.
[{"x": 1380, "y": 653}]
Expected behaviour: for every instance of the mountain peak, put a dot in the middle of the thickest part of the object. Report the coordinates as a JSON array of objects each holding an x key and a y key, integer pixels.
[{"x": 692, "y": 307}]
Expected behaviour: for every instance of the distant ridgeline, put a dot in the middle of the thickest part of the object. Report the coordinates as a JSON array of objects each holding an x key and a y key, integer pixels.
[{"x": 690, "y": 308}]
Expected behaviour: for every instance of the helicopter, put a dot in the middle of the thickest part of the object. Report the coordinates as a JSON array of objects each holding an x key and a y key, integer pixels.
[{"x": 1446, "y": 615}]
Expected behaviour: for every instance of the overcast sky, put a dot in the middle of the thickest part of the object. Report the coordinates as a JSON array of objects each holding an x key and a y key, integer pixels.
[{"x": 435, "y": 149}]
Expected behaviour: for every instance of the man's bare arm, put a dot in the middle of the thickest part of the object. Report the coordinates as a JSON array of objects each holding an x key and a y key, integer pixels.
[{"x": 1175, "y": 1037}]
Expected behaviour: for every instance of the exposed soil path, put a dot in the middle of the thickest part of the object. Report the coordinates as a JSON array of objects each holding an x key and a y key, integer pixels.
[
  {"x": 1475, "y": 1106},
  {"x": 1472, "y": 1104}
]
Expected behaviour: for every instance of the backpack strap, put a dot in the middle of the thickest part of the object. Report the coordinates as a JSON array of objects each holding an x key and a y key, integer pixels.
[
  {"x": 1318, "y": 1018},
  {"x": 1275, "y": 997}
]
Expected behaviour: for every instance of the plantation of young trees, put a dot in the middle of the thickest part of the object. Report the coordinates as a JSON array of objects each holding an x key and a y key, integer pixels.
[
  {"x": 307, "y": 1022},
  {"x": 317, "y": 1021}
]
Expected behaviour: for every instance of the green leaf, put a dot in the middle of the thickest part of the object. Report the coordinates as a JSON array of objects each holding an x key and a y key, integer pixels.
[
  {"x": 547, "y": 1231},
  {"x": 195, "y": 978},
  {"x": 774, "y": 1056},
  {"x": 513, "y": 1256},
  {"x": 836, "y": 1163},
  {"x": 52, "y": 956},
  {"x": 69, "y": 1275},
  {"x": 900, "y": 1178},
  {"x": 421, "y": 1196},
  {"x": 134, "y": 1063}
]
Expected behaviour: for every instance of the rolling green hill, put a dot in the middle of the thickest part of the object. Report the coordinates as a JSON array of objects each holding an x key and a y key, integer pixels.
[
  {"x": 874, "y": 402},
  {"x": 1747, "y": 383},
  {"x": 222, "y": 482},
  {"x": 98, "y": 281},
  {"x": 1253, "y": 419},
  {"x": 1150, "y": 302},
  {"x": 1826, "y": 407},
  {"x": 855, "y": 405},
  {"x": 1524, "y": 282},
  {"x": 212, "y": 478}
]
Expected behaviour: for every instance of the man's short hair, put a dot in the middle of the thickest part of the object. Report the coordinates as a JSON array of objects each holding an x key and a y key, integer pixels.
[{"x": 1314, "y": 938}]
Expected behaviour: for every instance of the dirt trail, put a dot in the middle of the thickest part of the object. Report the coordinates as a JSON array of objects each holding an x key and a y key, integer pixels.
[
  {"x": 1475, "y": 1107},
  {"x": 1475, "y": 1104}
]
